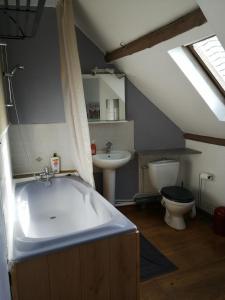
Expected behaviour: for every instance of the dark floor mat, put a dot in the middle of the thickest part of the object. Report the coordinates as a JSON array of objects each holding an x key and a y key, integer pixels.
[{"x": 153, "y": 262}]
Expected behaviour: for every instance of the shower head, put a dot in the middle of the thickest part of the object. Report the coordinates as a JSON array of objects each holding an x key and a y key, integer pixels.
[
  {"x": 13, "y": 71},
  {"x": 17, "y": 67}
]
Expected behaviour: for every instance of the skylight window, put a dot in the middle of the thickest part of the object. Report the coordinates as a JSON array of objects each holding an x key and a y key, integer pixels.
[
  {"x": 199, "y": 80},
  {"x": 211, "y": 55}
]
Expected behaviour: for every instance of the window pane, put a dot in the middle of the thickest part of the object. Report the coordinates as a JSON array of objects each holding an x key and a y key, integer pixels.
[{"x": 213, "y": 55}]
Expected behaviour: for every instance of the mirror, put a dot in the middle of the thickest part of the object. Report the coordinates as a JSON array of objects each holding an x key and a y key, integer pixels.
[{"x": 104, "y": 97}]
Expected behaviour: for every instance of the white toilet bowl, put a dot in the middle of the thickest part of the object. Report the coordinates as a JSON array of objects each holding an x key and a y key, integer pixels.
[
  {"x": 175, "y": 211},
  {"x": 176, "y": 199}
]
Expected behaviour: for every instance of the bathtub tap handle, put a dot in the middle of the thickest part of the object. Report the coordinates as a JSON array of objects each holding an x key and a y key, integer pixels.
[
  {"x": 46, "y": 170},
  {"x": 45, "y": 175}
]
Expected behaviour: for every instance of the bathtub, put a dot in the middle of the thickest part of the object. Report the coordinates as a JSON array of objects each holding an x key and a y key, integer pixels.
[{"x": 62, "y": 212}]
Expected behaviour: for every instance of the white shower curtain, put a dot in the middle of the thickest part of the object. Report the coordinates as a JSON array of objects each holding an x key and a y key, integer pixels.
[{"x": 73, "y": 93}]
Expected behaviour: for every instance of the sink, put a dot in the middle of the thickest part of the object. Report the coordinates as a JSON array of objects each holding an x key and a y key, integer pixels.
[
  {"x": 109, "y": 162},
  {"x": 113, "y": 160}
]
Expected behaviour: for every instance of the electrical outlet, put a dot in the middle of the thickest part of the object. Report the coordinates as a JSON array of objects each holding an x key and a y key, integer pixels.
[
  {"x": 206, "y": 176},
  {"x": 211, "y": 177}
]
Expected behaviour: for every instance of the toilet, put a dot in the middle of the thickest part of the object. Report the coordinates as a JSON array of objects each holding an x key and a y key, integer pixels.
[{"x": 177, "y": 200}]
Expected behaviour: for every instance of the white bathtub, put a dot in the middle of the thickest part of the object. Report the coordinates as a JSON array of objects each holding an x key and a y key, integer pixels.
[{"x": 59, "y": 213}]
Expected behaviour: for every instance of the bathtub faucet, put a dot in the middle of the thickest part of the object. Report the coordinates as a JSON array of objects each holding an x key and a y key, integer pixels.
[
  {"x": 45, "y": 175},
  {"x": 108, "y": 147}
]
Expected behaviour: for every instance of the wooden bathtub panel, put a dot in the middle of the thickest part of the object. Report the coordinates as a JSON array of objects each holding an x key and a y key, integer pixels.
[
  {"x": 64, "y": 273},
  {"x": 31, "y": 280},
  {"x": 95, "y": 270},
  {"x": 124, "y": 275},
  {"x": 103, "y": 270}
]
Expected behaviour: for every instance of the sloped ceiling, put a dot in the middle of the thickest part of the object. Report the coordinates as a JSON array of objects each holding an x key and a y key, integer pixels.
[{"x": 108, "y": 23}]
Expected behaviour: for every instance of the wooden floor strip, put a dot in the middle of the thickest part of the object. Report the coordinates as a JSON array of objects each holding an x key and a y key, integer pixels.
[{"x": 198, "y": 253}]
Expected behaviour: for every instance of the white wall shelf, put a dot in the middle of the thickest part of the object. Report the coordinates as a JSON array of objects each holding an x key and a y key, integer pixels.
[
  {"x": 176, "y": 151},
  {"x": 107, "y": 122}
]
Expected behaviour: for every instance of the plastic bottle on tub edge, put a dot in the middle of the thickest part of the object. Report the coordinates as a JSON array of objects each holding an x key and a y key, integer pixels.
[
  {"x": 55, "y": 163},
  {"x": 93, "y": 147}
]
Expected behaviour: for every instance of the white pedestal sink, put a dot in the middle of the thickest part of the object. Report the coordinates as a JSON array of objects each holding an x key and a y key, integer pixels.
[{"x": 109, "y": 162}]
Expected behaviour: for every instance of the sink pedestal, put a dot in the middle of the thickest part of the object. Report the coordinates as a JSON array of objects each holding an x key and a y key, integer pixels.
[
  {"x": 109, "y": 181},
  {"x": 109, "y": 162}
]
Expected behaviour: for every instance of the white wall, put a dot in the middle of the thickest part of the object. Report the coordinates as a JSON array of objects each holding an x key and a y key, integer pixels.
[
  {"x": 32, "y": 146},
  {"x": 31, "y": 142},
  {"x": 152, "y": 70},
  {"x": 154, "y": 73},
  {"x": 214, "y": 12},
  {"x": 212, "y": 160},
  {"x": 5, "y": 190},
  {"x": 120, "y": 134}
]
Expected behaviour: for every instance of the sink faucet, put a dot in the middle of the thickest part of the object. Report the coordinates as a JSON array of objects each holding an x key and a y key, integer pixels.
[
  {"x": 108, "y": 147},
  {"x": 45, "y": 175}
]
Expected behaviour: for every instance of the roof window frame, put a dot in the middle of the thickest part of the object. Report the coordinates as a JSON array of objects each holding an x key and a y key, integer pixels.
[{"x": 205, "y": 68}]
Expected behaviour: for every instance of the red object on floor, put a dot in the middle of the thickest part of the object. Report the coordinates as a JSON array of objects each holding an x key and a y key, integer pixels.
[{"x": 219, "y": 220}]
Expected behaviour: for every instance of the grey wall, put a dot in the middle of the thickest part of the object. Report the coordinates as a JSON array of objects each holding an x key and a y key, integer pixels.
[
  {"x": 38, "y": 87},
  {"x": 90, "y": 55},
  {"x": 39, "y": 96},
  {"x": 152, "y": 129}
]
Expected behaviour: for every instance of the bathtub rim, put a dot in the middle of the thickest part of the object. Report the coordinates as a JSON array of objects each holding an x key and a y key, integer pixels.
[{"x": 118, "y": 225}]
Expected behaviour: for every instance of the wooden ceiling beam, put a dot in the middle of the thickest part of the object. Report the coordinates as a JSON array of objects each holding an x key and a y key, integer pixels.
[
  {"x": 181, "y": 25},
  {"x": 204, "y": 139}
]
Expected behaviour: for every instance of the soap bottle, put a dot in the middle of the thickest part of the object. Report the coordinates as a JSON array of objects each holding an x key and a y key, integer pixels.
[
  {"x": 93, "y": 147},
  {"x": 55, "y": 163}
]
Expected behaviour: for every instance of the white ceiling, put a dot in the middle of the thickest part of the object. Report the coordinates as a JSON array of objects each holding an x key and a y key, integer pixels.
[
  {"x": 110, "y": 22},
  {"x": 152, "y": 71}
]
